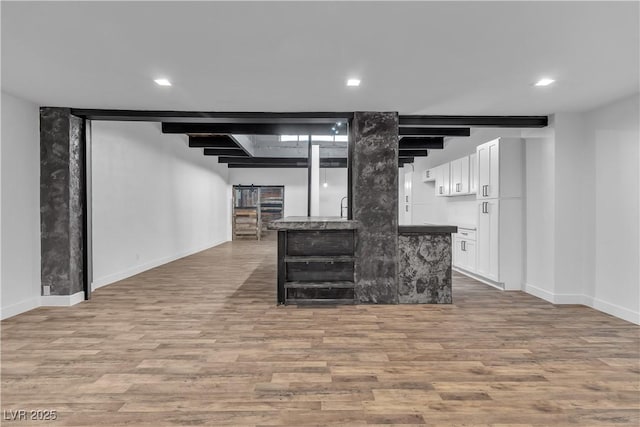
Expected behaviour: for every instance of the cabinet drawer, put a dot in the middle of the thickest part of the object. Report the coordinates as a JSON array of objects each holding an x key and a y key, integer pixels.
[{"x": 466, "y": 234}]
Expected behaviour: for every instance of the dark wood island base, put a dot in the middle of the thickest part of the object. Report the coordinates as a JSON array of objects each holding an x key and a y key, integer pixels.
[{"x": 316, "y": 258}]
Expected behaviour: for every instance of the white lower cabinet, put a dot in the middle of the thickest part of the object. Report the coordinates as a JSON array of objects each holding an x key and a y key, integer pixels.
[
  {"x": 464, "y": 251},
  {"x": 488, "y": 238}
]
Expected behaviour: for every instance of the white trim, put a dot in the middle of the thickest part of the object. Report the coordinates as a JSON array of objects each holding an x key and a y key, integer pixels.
[
  {"x": 588, "y": 301},
  {"x": 539, "y": 292},
  {"x": 61, "y": 300},
  {"x": 479, "y": 278},
  {"x": 20, "y": 307},
  {"x": 615, "y": 310},
  {"x": 137, "y": 269}
]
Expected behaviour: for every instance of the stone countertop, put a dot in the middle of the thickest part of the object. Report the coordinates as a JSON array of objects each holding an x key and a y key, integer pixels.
[
  {"x": 313, "y": 223},
  {"x": 427, "y": 229}
]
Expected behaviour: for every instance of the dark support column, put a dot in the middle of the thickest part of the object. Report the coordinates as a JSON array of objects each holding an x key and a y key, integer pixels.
[
  {"x": 61, "y": 201},
  {"x": 374, "y": 177}
]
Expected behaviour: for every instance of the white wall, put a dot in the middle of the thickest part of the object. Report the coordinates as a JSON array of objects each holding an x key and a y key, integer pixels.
[
  {"x": 331, "y": 196},
  {"x": 583, "y": 213},
  {"x": 20, "y": 170},
  {"x": 613, "y": 132},
  {"x": 540, "y": 211},
  {"x": 154, "y": 199}
]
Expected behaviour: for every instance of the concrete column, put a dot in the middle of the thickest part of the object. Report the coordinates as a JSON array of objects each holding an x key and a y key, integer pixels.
[
  {"x": 374, "y": 185},
  {"x": 61, "y": 203}
]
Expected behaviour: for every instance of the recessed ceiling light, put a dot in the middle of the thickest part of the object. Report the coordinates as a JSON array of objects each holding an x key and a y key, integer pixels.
[
  {"x": 353, "y": 82},
  {"x": 544, "y": 82},
  {"x": 162, "y": 82}
]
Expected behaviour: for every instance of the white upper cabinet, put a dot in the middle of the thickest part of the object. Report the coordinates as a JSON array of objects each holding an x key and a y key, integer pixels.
[
  {"x": 499, "y": 165},
  {"x": 460, "y": 176},
  {"x": 443, "y": 180},
  {"x": 473, "y": 174},
  {"x": 429, "y": 175}
]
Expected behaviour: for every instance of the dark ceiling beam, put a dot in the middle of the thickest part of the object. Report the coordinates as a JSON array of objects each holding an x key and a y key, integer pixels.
[
  {"x": 228, "y": 152},
  {"x": 215, "y": 141},
  {"x": 403, "y": 160},
  {"x": 279, "y": 165},
  {"x": 420, "y": 131},
  {"x": 297, "y": 161},
  {"x": 211, "y": 116},
  {"x": 252, "y": 128},
  {"x": 413, "y": 153},
  {"x": 424, "y": 143},
  {"x": 477, "y": 121}
]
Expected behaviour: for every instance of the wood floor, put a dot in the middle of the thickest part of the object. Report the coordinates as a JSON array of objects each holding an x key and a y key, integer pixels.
[{"x": 201, "y": 342}]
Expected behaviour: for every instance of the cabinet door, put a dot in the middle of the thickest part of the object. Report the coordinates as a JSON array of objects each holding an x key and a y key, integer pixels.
[
  {"x": 442, "y": 180},
  {"x": 473, "y": 171},
  {"x": 456, "y": 253},
  {"x": 470, "y": 255},
  {"x": 439, "y": 183},
  {"x": 456, "y": 175},
  {"x": 482, "y": 152},
  {"x": 494, "y": 170},
  {"x": 488, "y": 170},
  {"x": 487, "y": 238},
  {"x": 463, "y": 179},
  {"x": 446, "y": 178}
]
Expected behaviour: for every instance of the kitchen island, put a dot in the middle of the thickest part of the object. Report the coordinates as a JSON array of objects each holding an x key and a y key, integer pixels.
[
  {"x": 316, "y": 258},
  {"x": 317, "y": 262},
  {"x": 424, "y": 273}
]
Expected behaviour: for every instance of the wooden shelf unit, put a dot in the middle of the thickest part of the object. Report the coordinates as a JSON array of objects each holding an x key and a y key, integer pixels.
[
  {"x": 254, "y": 207},
  {"x": 316, "y": 266}
]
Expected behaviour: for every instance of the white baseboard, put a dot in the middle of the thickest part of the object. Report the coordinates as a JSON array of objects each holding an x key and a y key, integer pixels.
[
  {"x": 20, "y": 307},
  {"x": 61, "y": 300},
  {"x": 597, "y": 304},
  {"x": 615, "y": 310},
  {"x": 137, "y": 269},
  {"x": 479, "y": 278},
  {"x": 41, "y": 301},
  {"x": 540, "y": 293}
]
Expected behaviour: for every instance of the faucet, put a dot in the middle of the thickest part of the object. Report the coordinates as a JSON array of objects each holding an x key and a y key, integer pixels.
[{"x": 342, "y": 208}]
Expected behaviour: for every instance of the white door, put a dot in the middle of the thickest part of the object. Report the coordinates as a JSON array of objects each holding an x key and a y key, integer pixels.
[{"x": 487, "y": 238}]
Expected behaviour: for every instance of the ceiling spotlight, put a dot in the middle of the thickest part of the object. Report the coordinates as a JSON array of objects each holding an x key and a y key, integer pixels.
[
  {"x": 162, "y": 82},
  {"x": 325, "y": 185},
  {"x": 339, "y": 123},
  {"x": 353, "y": 82},
  {"x": 544, "y": 82}
]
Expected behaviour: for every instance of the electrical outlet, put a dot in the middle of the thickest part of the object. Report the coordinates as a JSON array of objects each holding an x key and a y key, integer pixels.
[{"x": 46, "y": 290}]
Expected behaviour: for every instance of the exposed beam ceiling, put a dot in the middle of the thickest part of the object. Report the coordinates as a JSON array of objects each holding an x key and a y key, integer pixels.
[
  {"x": 292, "y": 161},
  {"x": 252, "y": 128},
  {"x": 424, "y": 143},
  {"x": 413, "y": 153},
  {"x": 212, "y": 116},
  {"x": 434, "y": 131},
  {"x": 216, "y": 141},
  {"x": 229, "y": 152},
  {"x": 477, "y": 121}
]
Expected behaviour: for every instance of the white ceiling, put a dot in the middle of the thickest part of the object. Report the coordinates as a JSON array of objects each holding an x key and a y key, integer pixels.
[{"x": 415, "y": 57}]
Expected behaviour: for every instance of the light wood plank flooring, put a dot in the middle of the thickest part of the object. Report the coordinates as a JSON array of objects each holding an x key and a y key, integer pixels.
[{"x": 200, "y": 342}]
